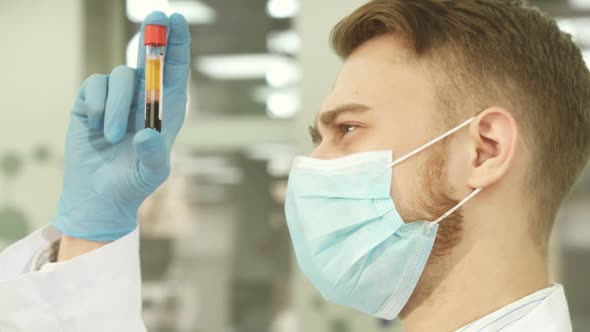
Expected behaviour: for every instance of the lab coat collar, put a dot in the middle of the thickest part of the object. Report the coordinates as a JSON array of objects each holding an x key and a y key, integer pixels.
[{"x": 542, "y": 311}]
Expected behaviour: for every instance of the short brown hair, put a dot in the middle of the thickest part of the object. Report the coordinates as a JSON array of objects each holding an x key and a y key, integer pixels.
[{"x": 484, "y": 53}]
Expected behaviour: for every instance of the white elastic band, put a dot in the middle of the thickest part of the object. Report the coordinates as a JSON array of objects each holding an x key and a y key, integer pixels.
[
  {"x": 457, "y": 207},
  {"x": 431, "y": 143}
]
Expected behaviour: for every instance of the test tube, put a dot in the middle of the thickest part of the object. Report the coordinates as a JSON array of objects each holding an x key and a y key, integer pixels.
[{"x": 155, "y": 44}]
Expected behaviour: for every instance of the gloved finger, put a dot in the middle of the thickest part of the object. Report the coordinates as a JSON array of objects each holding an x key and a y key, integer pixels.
[
  {"x": 154, "y": 160},
  {"x": 176, "y": 75},
  {"x": 96, "y": 90},
  {"x": 158, "y": 18},
  {"x": 121, "y": 88},
  {"x": 178, "y": 55}
]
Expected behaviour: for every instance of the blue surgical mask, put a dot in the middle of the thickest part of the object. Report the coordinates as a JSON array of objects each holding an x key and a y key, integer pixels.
[{"x": 348, "y": 237}]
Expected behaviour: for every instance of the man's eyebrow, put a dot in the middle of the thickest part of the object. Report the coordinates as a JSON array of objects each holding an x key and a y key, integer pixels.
[{"x": 328, "y": 118}]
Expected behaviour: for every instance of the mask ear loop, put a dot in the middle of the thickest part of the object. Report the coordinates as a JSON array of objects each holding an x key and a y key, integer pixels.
[
  {"x": 426, "y": 146},
  {"x": 431, "y": 143},
  {"x": 457, "y": 207}
]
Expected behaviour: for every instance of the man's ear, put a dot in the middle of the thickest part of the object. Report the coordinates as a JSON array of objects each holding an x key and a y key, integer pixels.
[{"x": 493, "y": 134}]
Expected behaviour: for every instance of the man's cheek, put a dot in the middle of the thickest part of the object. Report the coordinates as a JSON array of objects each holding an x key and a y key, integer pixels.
[{"x": 402, "y": 191}]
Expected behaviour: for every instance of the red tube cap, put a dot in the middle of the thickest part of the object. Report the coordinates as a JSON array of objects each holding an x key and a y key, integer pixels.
[{"x": 154, "y": 35}]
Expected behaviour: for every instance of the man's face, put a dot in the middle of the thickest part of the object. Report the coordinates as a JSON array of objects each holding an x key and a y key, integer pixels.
[
  {"x": 387, "y": 103},
  {"x": 382, "y": 100}
]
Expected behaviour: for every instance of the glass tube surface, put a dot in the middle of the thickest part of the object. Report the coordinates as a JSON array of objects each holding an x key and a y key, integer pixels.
[{"x": 154, "y": 68}]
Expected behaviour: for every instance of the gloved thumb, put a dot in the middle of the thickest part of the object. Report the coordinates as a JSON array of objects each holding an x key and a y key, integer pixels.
[{"x": 153, "y": 156}]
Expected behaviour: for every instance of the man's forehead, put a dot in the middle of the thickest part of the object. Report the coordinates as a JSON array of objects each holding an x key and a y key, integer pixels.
[
  {"x": 362, "y": 80},
  {"x": 377, "y": 81}
]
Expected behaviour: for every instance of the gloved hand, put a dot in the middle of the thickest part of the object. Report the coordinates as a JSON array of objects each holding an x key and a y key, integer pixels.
[{"x": 112, "y": 164}]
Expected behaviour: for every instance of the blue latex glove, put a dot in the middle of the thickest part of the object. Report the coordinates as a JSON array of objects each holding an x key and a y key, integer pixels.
[{"x": 112, "y": 164}]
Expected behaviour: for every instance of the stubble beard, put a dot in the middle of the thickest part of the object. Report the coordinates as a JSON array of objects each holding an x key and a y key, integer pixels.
[{"x": 434, "y": 200}]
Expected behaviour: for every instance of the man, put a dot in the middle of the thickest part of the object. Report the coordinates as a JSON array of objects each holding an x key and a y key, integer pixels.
[{"x": 485, "y": 105}]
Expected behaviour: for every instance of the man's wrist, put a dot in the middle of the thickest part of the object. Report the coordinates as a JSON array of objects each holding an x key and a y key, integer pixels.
[{"x": 70, "y": 247}]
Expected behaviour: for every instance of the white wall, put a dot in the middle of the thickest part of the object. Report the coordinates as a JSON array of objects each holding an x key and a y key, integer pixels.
[{"x": 40, "y": 68}]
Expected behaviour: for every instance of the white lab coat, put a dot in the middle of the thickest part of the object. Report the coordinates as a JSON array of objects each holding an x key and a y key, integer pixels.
[
  {"x": 98, "y": 291},
  {"x": 101, "y": 291},
  {"x": 551, "y": 315}
]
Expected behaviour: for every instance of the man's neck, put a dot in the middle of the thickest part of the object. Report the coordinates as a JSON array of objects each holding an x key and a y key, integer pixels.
[{"x": 482, "y": 278}]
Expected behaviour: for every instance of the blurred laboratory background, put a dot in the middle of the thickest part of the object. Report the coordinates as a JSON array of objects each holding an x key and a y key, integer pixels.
[{"x": 216, "y": 255}]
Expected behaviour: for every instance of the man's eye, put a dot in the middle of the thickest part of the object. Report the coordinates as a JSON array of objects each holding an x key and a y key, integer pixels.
[{"x": 346, "y": 128}]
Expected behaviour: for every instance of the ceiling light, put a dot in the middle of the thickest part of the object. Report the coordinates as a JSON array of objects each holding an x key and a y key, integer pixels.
[
  {"x": 287, "y": 42},
  {"x": 236, "y": 66},
  {"x": 277, "y": 69},
  {"x": 261, "y": 93},
  {"x": 194, "y": 11},
  {"x": 580, "y": 4},
  {"x": 282, "y": 105},
  {"x": 283, "y": 72},
  {"x": 137, "y": 10},
  {"x": 282, "y": 8}
]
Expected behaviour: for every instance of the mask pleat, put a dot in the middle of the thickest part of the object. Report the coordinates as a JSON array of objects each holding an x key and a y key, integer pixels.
[{"x": 327, "y": 223}]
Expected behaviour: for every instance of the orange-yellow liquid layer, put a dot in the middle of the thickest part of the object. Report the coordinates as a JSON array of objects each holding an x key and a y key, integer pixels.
[{"x": 153, "y": 74}]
